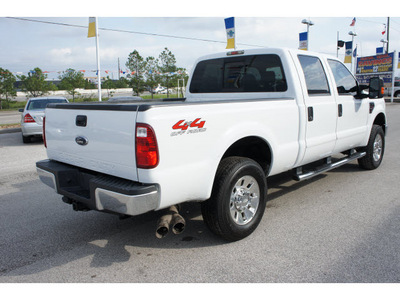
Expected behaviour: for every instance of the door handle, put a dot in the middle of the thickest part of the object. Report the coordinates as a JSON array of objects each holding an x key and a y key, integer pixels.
[
  {"x": 310, "y": 114},
  {"x": 81, "y": 121},
  {"x": 340, "y": 110}
]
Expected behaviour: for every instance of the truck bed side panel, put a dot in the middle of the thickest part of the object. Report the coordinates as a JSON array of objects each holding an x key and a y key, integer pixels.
[{"x": 190, "y": 156}]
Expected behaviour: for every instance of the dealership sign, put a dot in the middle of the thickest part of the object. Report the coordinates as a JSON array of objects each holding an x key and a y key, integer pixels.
[{"x": 377, "y": 65}]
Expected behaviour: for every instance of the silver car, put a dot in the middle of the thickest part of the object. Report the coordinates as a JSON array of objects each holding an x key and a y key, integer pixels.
[{"x": 32, "y": 116}]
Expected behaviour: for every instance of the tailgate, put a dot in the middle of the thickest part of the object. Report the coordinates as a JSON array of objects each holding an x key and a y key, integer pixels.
[{"x": 99, "y": 138}]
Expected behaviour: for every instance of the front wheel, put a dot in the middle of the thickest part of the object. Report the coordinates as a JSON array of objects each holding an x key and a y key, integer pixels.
[
  {"x": 238, "y": 199},
  {"x": 374, "y": 149}
]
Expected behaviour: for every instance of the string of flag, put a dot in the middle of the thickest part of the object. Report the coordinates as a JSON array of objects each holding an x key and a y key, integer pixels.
[{"x": 127, "y": 72}]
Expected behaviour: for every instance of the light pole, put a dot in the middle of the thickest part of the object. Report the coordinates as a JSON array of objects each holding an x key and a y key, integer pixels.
[
  {"x": 353, "y": 34},
  {"x": 309, "y": 23},
  {"x": 383, "y": 41}
]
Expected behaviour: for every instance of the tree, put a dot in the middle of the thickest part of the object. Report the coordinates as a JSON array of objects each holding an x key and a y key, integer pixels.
[
  {"x": 70, "y": 81},
  {"x": 35, "y": 83},
  {"x": 182, "y": 75},
  {"x": 89, "y": 85},
  {"x": 167, "y": 65},
  {"x": 108, "y": 84},
  {"x": 122, "y": 83},
  {"x": 152, "y": 74},
  {"x": 7, "y": 89},
  {"x": 136, "y": 65}
]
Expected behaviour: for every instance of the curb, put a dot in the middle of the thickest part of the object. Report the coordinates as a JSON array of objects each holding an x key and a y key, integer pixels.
[
  {"x": 10, "y": 130},
  {"x": 395, "y": 100}
]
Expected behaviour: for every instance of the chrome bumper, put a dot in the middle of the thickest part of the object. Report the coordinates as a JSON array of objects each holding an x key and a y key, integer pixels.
[
  {"x": 98, "y": 191},
  {"x": 125, "y": 204}
]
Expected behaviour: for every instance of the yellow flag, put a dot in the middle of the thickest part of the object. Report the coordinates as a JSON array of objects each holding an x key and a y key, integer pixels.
[
  {"x": 230, "y": 32},
  {"x": 92, "y": 27}
]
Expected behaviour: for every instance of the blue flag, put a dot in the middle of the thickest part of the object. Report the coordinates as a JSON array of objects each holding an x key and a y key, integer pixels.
[
  {"x": 230, "y": 32},
  {"x": 349, "y": 47},
  {"x": 303, "y": 38}
]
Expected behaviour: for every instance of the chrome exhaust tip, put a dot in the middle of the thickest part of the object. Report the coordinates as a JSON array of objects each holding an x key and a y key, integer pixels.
[{"x": 171, "y": 219}]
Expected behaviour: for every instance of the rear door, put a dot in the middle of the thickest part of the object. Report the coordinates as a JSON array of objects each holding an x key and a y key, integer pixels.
[{"x": 321, "y": 109}]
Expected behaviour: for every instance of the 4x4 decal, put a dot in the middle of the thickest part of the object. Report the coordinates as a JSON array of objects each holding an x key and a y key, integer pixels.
[{"x": 186, "y": 127}]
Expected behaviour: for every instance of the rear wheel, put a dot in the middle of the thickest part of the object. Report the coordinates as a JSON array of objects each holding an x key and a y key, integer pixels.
[
  {"x": 238, "y": 199},
  {"x": 374, "y": 149},
  {"x": 26, "y": 139}
]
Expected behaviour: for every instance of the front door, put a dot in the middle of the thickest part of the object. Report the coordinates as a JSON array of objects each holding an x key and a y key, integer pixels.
[
  {"x": 321, "y": 110},
  {"x": 352, "y": 112}
]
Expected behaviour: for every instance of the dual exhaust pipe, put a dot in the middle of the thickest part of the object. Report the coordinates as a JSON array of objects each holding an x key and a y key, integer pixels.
[{"x": 172, "y": 219}]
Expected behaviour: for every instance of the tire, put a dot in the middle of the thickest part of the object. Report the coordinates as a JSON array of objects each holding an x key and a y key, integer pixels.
[
  {"x": 238, "y": 199},
  {"x": 397, "y": 94},
  {"x": 26, "y": 139},
  {"x": 374, "y": 149}
]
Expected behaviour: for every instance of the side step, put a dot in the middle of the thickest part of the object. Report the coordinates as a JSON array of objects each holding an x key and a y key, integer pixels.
[{"x": 329, "y": 165}]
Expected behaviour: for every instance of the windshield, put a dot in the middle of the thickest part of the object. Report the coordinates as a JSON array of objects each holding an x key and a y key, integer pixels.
[{"x": 41, "y": 104}]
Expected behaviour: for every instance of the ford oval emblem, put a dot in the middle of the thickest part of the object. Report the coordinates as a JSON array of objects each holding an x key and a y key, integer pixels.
[{"x": 81, "y": 140}]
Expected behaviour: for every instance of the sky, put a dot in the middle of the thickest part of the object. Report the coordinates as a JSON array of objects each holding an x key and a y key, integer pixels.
[{"x": 198, "y": 30}]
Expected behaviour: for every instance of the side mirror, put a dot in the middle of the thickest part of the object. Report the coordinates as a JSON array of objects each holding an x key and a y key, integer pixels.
[
  {"x": 359, "y": 91},
  {"x": 375, "y": 87}
]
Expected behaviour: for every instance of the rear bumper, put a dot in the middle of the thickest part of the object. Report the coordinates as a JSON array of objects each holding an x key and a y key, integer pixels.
[
  {"x": 98, "y": 191},
  {"x": 29, "y": 129}
]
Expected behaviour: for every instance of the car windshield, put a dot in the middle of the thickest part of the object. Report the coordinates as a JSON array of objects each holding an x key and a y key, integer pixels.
[{"x": 41, "y": 104}]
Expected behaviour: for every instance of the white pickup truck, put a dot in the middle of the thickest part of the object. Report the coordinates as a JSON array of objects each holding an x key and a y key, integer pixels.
[{"x": 247, "y": 115}]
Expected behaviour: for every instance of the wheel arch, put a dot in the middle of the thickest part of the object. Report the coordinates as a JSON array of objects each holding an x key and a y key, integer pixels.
[
  {"x": 252, "y": 147},
  {"x": 380, "y": 120}
]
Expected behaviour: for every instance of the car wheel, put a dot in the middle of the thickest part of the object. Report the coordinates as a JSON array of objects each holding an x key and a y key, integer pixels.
[
  {"x": 238, "y": 199},
  {"x": 397, "y": 94},
  {"x": 374, "y": 149},
  {"x": 26, "y": 139}
]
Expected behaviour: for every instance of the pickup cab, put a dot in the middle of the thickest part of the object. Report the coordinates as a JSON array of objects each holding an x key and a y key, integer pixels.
[{"x": 247, "y": 115}]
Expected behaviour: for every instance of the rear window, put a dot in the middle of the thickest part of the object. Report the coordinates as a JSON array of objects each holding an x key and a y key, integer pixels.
[
  {"x": 242, "y": 74},
  {"x": 41, "y": 104}
]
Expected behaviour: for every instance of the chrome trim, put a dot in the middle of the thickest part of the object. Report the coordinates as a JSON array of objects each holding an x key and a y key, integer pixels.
[
  {"x": 330, "y": 166},
  {"x": 244, "y": 200},
  {"x": 377, "y": 148},
  {"x": 81, "y": 140},
  {"x": 126, "y": 204},
  {"x": 47, "y": 178}
]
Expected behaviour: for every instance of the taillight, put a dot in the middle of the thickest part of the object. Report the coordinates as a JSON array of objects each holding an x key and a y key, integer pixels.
[
  {"x": 44, "y": 132},
  {"x": 146, "y": 147},
  {"x": 28, "y": 119}
]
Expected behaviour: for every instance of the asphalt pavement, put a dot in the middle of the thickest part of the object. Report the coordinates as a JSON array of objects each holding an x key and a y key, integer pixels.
[
  {"x": 10, "y": 117},
  {"x": 339, "y": 227}
]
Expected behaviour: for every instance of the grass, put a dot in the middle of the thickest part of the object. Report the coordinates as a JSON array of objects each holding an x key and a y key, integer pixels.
[
  {"x": 159, "y": 96},
  {"x": 12, "y": 105},
  {"x": 14, "y": 125}
]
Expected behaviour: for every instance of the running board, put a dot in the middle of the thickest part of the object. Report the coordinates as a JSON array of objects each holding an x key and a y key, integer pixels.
[{"x": 299, "y": 175}]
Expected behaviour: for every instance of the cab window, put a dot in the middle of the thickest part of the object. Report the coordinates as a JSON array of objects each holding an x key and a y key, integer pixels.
[
  {"x": 315, "y": 76},
  {"x": 345, "y": 82}
]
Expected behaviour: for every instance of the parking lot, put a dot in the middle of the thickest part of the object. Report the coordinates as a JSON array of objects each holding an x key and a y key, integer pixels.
[{"x": 342, "y": 226}]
